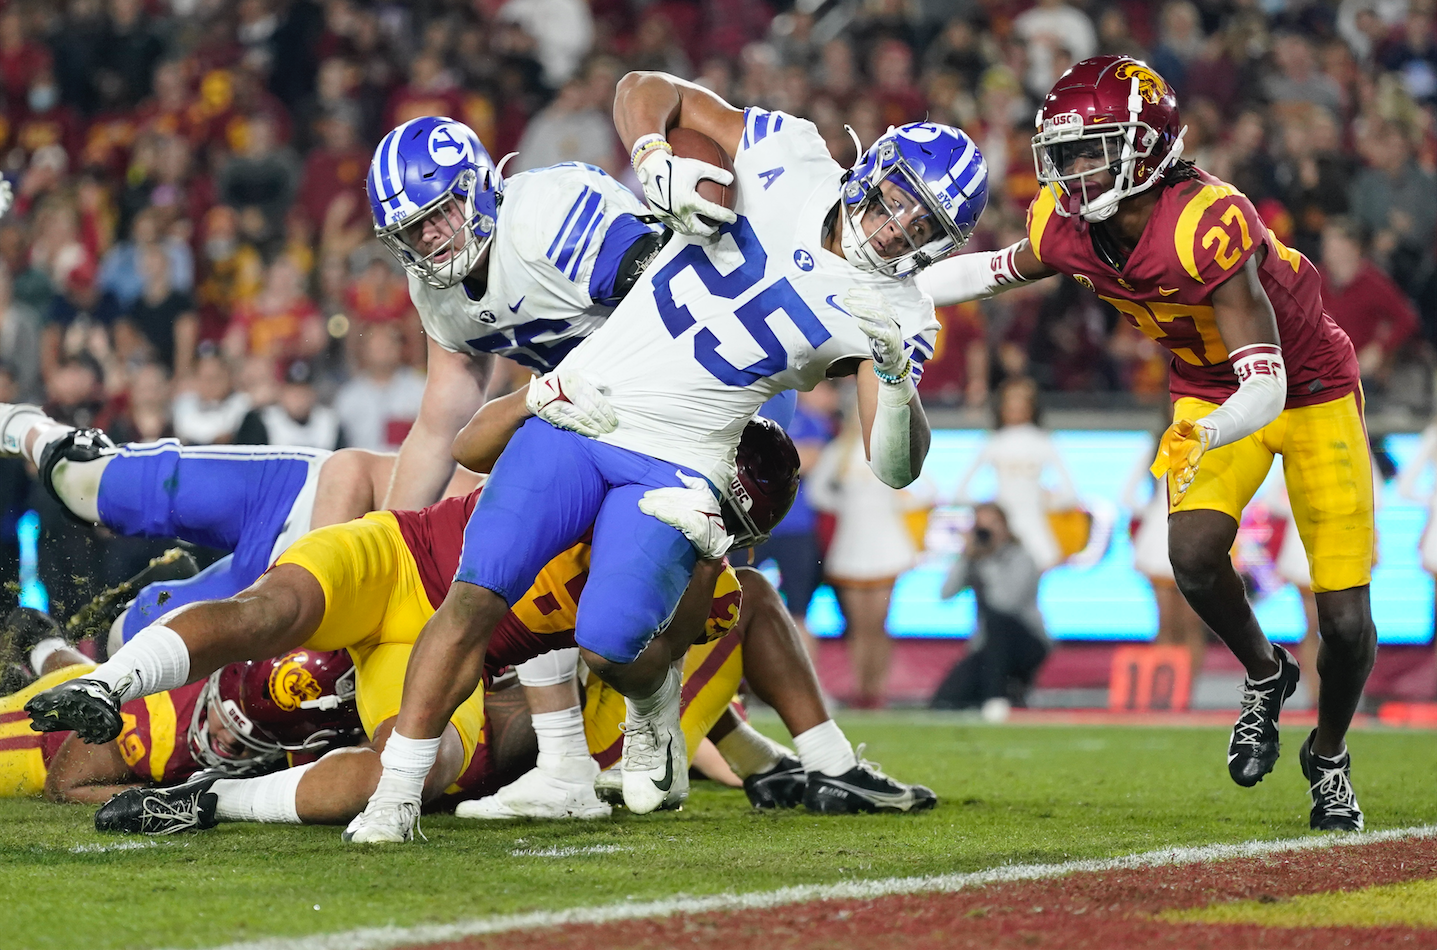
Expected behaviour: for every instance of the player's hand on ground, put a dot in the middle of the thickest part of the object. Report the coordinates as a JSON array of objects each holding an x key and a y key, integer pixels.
[
  {"x": 671, "y": 188},
  {"x": 879, "y": 323},
  {"x": 1179, "y": 453},
  {"x": 694, "y": 511},
  {"x": 566, "y": 400}
]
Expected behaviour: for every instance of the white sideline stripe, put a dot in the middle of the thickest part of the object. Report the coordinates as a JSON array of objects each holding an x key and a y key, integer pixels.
[
  {"x": 569, "y": 852},
  {"x": 380, "y": 938}
]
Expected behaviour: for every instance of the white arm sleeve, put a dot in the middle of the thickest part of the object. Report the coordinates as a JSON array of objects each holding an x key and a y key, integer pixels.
[
  {"x": 964, "y": 277},
  {"x": 888, "y": 449},
  {"x": 1260, "y": 397}
]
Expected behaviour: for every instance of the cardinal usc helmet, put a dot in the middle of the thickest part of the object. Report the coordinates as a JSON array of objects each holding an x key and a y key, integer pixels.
[
  {"x": 764, "y": 485},
  {"x": 302, "y": 701},
  {"x": 1118, "y": 113}
]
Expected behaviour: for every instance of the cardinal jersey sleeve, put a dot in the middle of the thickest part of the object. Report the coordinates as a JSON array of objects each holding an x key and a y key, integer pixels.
[{"x": 1215, "y": 233}]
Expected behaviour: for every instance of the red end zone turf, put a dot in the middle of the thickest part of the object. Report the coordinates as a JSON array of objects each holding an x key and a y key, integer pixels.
[{"x": 1111, "y": 909}]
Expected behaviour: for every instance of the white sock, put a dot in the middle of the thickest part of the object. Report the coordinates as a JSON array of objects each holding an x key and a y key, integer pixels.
[
  {"x": 42, "y": 651},
  {"x": 825, "y": 748},
  {"x": 649, "y": 706},
  {"x": 549, "y": 669},
  {"x": 406, "y": 764},
  {"x": 154, "y": 661},
  {"x": 748, "y": 751},
  {"x": 268, "y": 798},
  {"x": 563, "y": 748}
]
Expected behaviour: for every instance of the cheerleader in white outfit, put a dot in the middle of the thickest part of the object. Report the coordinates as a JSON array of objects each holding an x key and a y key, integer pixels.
[{"x": 1020, "y": 453}]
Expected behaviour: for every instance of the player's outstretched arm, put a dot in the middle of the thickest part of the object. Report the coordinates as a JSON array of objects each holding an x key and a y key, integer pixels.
[
  {"x": 1248, "y": 327},
  {"x": 453, "y": 392},
  {"x": 479, "y": 444},
  {"x": 895, "y": 428},
  {"x": 981, "y": 274},
  {"x": 87, "y": 774}
]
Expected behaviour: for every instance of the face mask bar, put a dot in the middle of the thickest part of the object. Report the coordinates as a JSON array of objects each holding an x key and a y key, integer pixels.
[
  {"x": 947, "y": 237},
  {"x": 463, "y": 246},
  {"x": 737, "y": 521},
  {"x": 264, "y": 759},
  {"x": 1052, "y": 159}
]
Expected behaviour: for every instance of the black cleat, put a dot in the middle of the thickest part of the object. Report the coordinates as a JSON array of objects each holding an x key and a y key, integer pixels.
[
  {"x": 24, "y": 627},
  {"x": 161, "y": 811},
  {"x": 780, "y": 787},
  {"x": 863, "y": 788},
  {"x": 1253, "y": 750},
  {"x": 87, "y": 706},
  {"x": 95, "y": 618},
  {"x": 1329, "y": 783}
]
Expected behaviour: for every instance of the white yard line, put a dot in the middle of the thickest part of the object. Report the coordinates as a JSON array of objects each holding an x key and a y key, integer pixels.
[{"x": 379, "y": 938}]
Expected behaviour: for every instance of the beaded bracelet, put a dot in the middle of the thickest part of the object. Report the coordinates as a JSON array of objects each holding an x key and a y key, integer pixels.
[
  {"x": 646, "y": 144},
  {"x": 890, "y": 378}
]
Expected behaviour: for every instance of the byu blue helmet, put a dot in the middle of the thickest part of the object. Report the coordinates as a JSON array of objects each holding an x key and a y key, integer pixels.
[
  {"x": 434, "y": 170},
  {"x": 938, "y": 188}
]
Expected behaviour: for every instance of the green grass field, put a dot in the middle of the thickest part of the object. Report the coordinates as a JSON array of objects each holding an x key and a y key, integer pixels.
[{"x": 1010, "y": 794}]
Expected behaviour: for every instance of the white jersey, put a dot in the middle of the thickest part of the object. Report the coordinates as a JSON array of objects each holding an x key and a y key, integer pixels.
[
  {"x": 543, "y": 264},
  {"x": 714, "y": 330}
]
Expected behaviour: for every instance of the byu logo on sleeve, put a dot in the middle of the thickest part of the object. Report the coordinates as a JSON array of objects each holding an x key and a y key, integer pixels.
[
  {"x": 803, "y": 259},
  {"x": 447, "y": 147}
]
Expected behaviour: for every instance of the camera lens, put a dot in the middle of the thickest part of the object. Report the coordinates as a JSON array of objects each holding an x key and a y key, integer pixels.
[{"x": 983, "y": 535}]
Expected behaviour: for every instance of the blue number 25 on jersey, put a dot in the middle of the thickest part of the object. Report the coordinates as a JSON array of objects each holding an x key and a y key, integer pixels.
[{"x": 752, "y": 315}]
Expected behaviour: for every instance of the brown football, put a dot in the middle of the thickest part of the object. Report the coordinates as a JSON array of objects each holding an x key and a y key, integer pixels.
[{"x": 687, "y": 143}]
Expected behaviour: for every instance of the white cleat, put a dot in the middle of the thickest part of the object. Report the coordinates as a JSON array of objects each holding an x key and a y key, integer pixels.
[
  {"x": 16, "y": 419},
  {"x": 387, "y": 822},
  {"x": 609, "y": 786},
  {"x": 538, "y": 794},
  {"x": 655, "y": 765}
]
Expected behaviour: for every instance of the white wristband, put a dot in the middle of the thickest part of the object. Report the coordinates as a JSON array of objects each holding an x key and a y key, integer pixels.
[
  {"x": 1260, "y": 398},
  {"x": 965, "y": 277}
]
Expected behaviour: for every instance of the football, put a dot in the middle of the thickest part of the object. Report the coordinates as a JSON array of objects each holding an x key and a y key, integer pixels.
[{"x": 687, "y": 143}]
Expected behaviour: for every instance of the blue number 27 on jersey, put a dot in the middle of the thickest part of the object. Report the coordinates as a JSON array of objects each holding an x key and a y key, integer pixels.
[{"x": 752, "y": 315}]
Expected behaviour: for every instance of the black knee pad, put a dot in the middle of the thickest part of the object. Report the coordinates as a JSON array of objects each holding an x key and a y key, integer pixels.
[{"x": 81, "y": 445}]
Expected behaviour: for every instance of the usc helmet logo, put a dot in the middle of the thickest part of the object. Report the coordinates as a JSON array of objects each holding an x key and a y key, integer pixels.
[
  {"x": 290, "y": 684},
  {"x": 1150, "y": 85}
]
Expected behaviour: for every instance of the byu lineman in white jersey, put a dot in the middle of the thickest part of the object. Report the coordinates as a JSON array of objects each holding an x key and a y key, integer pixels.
[
  {"x": 809, "y": 279},
  {"x": 524, "y": 269}
]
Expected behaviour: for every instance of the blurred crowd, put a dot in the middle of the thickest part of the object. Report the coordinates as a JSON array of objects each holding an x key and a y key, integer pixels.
[{"x": 190, "y": 252}]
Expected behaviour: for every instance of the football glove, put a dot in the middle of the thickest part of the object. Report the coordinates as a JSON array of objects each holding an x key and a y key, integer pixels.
[
  {"x": 885, "y": 341},
  {"x": 566, "y": 400},
  {"x": 671, "y": 188},
  {"x": 694, "y": 511},
  {"x": 1179, "y": 452}
]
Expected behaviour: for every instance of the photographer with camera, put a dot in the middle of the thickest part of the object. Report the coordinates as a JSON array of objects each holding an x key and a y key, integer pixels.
[{"x": 1009, "y": 644}]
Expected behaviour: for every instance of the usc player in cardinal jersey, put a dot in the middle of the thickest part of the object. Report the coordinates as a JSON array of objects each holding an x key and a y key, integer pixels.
[{"x": 1257, "y": 369}]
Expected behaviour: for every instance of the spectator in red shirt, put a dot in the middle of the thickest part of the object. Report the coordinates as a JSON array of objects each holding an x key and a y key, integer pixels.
[
  {"x": 1363, "y": 300},
  {"x": 21, "y": 59},
  {"x": 899, "y": 100},
  {"x": 336, "y": 168},
  {"x": 281, "y": 322}
]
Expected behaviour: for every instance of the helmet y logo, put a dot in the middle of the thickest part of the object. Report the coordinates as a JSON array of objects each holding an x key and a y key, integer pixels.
[
  {"x": 448, "y": 148},
  {"x": 1150, "y": 85}
]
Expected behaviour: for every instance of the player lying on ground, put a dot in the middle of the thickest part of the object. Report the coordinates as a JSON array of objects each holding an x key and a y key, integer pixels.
[
  {"x": 291, "y": 708},
  {"x": 1257, "y": 369},
  {"x": 835, "y": 258},
  {"x": 368, "y": 586},
  {"x": 763, "y": 647},
  {"x": 252, "y": 501}
]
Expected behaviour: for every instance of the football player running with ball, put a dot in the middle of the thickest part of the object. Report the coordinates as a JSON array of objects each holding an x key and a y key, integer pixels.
[
  {"x": 808, "y": 276},
  {"x": 1257, "y": 369}
]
